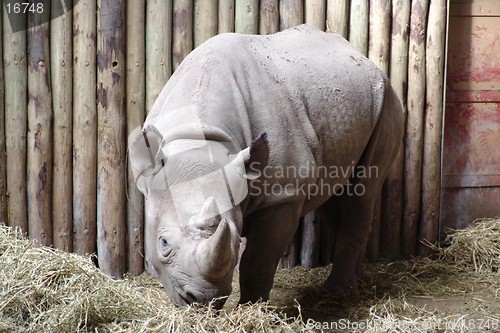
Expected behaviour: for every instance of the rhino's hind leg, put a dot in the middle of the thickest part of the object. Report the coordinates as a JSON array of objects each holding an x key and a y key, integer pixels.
[
  {"x": 269, "y": 232},
  {"x": 356, "y": 209},
  {"x": 351, "y": 238}
]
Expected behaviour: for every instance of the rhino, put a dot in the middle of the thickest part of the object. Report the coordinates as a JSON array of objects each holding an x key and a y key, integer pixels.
[{"x": 249, "y": 134}]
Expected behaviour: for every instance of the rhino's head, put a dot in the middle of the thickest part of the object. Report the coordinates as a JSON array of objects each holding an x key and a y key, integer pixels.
[{"x": 193, "y": 218}]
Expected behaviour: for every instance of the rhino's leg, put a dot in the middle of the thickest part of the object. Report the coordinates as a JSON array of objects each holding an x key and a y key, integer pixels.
[
  {"x": 357, "y": 210},
  {"x": 269, "y": 232},
  {"x": 351, "y": 239}
]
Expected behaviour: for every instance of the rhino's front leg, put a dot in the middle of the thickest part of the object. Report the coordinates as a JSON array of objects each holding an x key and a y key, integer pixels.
[{"x": 269, "y": 232}]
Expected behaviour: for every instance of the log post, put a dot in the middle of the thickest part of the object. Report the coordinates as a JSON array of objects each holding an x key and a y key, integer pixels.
[
  {"x": 16, "y": 96},
  {"x": 226, "y": 16},
  {"x": 84, "y": 127},
  {"x": 269, "y": 17},
  {"x": 378, "y": 52},
  {"x": 205, "y": 20},
  {"x": 414, "y": 125},
  {"x": 39, "y": 158},
  {"x": 136, "y": 104},
  {"x": 310, "y": 240},
  {"x": 380, "y": 33},
  {"x": 337, "y": 17},
  {"x": 61, "y": 70},
  {"x": 358, "y": 25},
  {"x": 182, "y": 31},
  {"x": 246, "y": 17},
  {"x": 158, "y": 48},
  {"x": 315, "y": 12},
  {"x": 291, "y": 13},
  {"x": 431, "y": 173},
  {"x": 392, "y": 204},
  {"x": 3, "y": 155},
  {"x": 111, "y": 142}
]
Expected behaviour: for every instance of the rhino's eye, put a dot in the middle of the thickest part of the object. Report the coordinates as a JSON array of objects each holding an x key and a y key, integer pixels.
[{"x": 165, "y": 248}]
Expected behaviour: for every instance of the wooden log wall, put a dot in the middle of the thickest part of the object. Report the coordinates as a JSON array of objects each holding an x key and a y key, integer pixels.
[{"x": 79, "y": 84}]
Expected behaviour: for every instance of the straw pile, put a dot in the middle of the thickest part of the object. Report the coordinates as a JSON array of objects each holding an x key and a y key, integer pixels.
[
  {"x": 45, "y": 290},
  {"x": 477, "y": 247}
]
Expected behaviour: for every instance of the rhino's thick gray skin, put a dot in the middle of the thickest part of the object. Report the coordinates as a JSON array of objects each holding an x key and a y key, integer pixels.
[{"x": 330, "y": 117}]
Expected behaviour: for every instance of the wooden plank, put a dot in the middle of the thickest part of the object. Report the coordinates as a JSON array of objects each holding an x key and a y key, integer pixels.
[
  {"x": 61, "y": 70},
  {"x": 378, "y": 52},
  {"x": 84, "y": 127},
  {"x": 158, "y": 48},
  {"x": 3, "y": 154},
  {"x": 205, "y": 20},
  {"x": 291, "y": 13},
  {"x": 380, "y": 33},
  {"x": 315, "y": 11},
  {"x": 269, "y": 17},
  {"x": 16, "y": 96},
  {"x": 136, "y": 104},
  {"x": 111, "y": 143},
  {"x": 310, "y": 240},
  {"x": 182, "y": 31},
  {"x": 246, "y": 17},
  {"x": 414, "y": 125},
  {"x": 431, "y": 173},
  {"x": 226, "y": 16},
  {"x": 392, "y": 194},
  {"x": 39, "y": 158},
  {"x": 358, "y": 25},
  {"x": 337, "y": 17}
]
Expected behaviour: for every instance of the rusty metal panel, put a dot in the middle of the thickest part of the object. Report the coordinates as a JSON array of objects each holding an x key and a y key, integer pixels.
[{"x": 471, "y": 143}]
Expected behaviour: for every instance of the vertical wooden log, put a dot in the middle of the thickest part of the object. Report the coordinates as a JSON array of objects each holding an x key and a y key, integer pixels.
[
  {"x": 378, "y": 52},
  {"x": 111, "y": 143},
  {"x": 62, "y": 102},
  {"x": 414, "y": 125},
  {"x": 269, "y": 17},
  {"x": 291, "y": 13},
  {"x": 136, "y": 104},
  {"x": 3, "y": 155},
  {"x": 380, "y": 33},
  {"x": 315, "y": 12},
  {"x": 431, "y": 174},
  {"x": 205, "y": 20},
  {"x": 358, "y": 25},
  {"x": 226, "y": 16},
  {"x": 392, "y": 204},
  {"x": 158, "y": 47},
  {"x": 246, "y": 17},
  {"x": 84, "y": 127},
  {"x": 16, "y": 96},
  {"x": 182, "y": 31},
  {"x": 158, "y": 56},
  {"x": 337, "y": 17},
  {"x": 310, "y": 239},
  {"x": 39, "y": 163}
]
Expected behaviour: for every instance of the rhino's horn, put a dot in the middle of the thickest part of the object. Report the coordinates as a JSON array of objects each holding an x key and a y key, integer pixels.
[
  {"x": 209, "y": 216},
  {"x": 214, "y": 256}
]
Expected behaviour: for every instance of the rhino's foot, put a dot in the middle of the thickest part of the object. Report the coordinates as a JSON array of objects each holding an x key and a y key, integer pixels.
[{"x": 343, "y": 287}]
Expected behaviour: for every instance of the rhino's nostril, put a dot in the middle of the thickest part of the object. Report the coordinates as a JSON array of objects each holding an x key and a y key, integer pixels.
[{"x": 190, "y": 298}]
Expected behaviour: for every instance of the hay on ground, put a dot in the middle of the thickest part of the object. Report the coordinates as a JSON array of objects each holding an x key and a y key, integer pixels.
[{"x": 46, "y": 290}]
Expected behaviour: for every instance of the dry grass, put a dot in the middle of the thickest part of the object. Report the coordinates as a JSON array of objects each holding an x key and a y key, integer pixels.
[{"x": 45, "y": 290}]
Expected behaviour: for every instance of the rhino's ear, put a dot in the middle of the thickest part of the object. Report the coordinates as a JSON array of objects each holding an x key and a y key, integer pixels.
[
  {"x": 258, "y": 157},
  {"x": 144, "y": 154}
]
